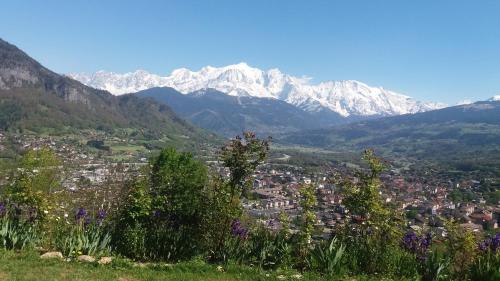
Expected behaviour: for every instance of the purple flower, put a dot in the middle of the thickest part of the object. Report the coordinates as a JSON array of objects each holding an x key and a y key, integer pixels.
[
  {"x": 3, "y": 210},
  {"x": 100, "y": 216},
  {"x": 238, "y": 230},
  {"x": 490, "y": 243},
  {"x": 417, "y": 245},
  {"x": 81, "y": 214},
  {"x": 86, "y": 222}
]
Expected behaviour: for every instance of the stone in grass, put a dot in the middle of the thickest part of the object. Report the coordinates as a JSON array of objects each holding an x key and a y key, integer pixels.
[
  {"x": 52, "y": 255},
  {"x": 105, "y": 260},
  {"x": 85, "y": 258}
]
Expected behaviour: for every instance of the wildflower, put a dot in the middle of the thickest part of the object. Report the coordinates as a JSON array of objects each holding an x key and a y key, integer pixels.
[
  {"x": 82, "y": 213},
  {"x": 45, "y": 212},
  {"x": 86, "y": 222},
  {"x": 238, "y": 230},
  {"x": 220, "y": 269},
  {"x": 417, "y": 245},
  {"x": 490, "y": 243},
  {"x": 3, "y": 210},
  {"x": 100, "y": 216},
  {"x": 65, "y": 215}
]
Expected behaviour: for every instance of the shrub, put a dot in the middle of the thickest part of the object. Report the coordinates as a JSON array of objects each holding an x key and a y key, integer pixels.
[
  {"x": 163, "y": 215},
  {"x": 131, "y": 221}
]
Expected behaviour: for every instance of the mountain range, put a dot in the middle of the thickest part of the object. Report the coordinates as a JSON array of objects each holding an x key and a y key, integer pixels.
[
  {"x": 348, "y": 98},
  {"x": 230, "y": 115},
  {"x": 37, "y": 99}
]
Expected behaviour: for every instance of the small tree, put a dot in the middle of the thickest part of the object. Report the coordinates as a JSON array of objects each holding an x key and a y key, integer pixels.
[
  {"x": 308, "y": 218},
  {"x": 371, "y": 231},
  {"x": 240, "y": 156}
]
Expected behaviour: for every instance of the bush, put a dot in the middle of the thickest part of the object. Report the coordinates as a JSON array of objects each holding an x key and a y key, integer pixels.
[{"x": 163, "y": 216}]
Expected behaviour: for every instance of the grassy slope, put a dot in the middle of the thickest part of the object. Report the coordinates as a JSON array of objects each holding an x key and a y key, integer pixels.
[{"x": 28, "y": 266}]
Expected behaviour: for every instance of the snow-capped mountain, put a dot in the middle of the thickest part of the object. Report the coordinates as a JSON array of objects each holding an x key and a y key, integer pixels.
[
  {"x": 494, "y": 98},
  {"x": 347, "y": 97}
]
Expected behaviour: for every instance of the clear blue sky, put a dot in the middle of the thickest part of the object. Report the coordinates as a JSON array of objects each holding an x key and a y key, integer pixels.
[{"x": 433, "y": 50}]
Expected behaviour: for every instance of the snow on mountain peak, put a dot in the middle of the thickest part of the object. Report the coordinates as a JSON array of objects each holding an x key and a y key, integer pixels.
[
  {"x": 495, "y": 98},
  {"x": 346, "y": 97}
]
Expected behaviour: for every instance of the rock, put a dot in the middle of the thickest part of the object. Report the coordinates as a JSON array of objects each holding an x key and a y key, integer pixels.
[
  {"x": 141, "y": 264},
  {"x": 105, "y": 260},
  {"x": 85, "y": 258},
  {"x": 52, "y": 255}
]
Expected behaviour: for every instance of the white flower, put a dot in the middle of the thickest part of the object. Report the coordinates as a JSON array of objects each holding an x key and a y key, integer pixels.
[
  {"x": 45, "y": 212},
  {"x": 65, "y": 215},
  {"x": 296, "y": 276},
  {"x": 281, "y": 277},
  {"x": 220, "y": 269}
]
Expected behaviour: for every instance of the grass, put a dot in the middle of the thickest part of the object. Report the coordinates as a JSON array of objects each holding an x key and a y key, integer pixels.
[{"x": 28, "y": 266}]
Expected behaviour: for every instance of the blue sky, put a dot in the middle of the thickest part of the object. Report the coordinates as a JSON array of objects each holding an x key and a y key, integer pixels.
[{"x": 443, "y": 51}]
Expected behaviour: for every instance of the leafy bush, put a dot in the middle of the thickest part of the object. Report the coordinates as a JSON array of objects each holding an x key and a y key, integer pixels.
[
  {"x": 131, "y": 221},
  {"x": 163, "y": 215}
]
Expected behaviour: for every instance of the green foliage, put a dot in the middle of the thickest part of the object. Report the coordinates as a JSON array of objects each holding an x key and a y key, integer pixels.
[
  {"x": 178, "y": 191},
  {"x": 10, "y": 113},
  {"x": 262, "y": 248},
  {"x": 37, "y": 178},
  {"x": 18, "y": 233},
  {"x": 461, "y": 248},
  {"x": 163, "y": 215},
  {"x": 435, "y": 267},
  {"x": 79, "y": 239},
  {"x": 371, "y": 235},
  {"x": 328, "y": 257},
  {"x": 485, "y": 267},
  {"x": 130, "y": 223},
  {"x": 362, "y": 197},
  {"x": 307, "y": 221},
  {"x": 240, "y": 156}
]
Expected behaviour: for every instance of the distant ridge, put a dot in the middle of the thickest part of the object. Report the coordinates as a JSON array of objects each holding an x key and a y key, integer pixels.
[
  {"x": 230, "y": 115},
  {"x": 348, "y": 98}
]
